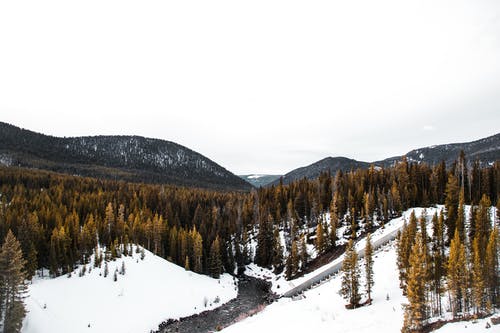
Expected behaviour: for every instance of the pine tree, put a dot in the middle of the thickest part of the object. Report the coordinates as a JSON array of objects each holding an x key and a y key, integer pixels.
[
  {"x": 332, "y": 235},
  {"x": 451, "y": 204},
  {"x": 477, "y": 279},
  {"x": 12, "y": 285},
  {"x": 406, "y": 240},
  {"x": 304, "y": 256},
  {"x": 456, "y": 277},
  {"x": 370, "y": 281},
  {"x": 460, "y": 225},
  {"x": 292, "y": 263},
  {"x": 215, "y": 261},
  {"x": 122, "y": 269},
  {"x": 482, "y": 226},
  {"x": 498, "y": 213},
  {"x": 350, "y": 276},
  {"x": 437, "y": 261},
  {"x": 277, "y": 251},
  {"x": 320, "y": 242},
  {"x": 492, "y": 277},
  {"x": 198, "y": 252},
  {"x": 416, "y": 311}
]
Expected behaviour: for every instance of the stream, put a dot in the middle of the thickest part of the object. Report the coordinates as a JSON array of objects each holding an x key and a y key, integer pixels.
[{"x": 253, "y": 296}]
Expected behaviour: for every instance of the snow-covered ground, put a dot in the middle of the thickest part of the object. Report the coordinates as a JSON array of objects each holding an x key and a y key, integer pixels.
[
  {"x": 280, "y": 285},
  {"x": 322, "y": 309},
  {"x": 151, "y": 291}
]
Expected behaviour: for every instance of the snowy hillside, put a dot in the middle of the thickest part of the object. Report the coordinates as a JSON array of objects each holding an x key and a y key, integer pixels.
[
  {"x": 151, "y": 291},
  {"x": 280, "y": 285},
  {"x": 322, "y": 309}
]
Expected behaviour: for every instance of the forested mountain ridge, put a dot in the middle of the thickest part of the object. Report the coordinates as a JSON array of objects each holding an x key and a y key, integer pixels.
[
  {"x": 486, "y": 151},
  {"x": 129, "y": 158},
  {"x": 312, "y": 171}
]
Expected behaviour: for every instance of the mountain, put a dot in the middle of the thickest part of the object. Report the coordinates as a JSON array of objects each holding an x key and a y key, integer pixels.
[
  {"x": 485, "y": 150},
  {"x": 330, "y": 163},
  {"x": 258, "y": 180},
  {"x": 129, "y": 158}
]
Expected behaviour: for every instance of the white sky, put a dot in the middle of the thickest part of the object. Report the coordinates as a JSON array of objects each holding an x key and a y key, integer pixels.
[{"x": 259, "y": 86}]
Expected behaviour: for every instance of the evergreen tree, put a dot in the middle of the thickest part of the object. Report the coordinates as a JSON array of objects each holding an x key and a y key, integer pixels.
[
  {"x": 350, "y": 276},
  {"x": 292, "y": 263},
  {"x": 186, "y": 264},
  {"x": 332, "y": 235},
  {"x": 437, "y": 261},
  {"x": 215, "y": 261},
  {"x": 498, "y": 213},
  {"x": 122, "y": 269},
  {"x": 456, "y": 277},
  {"x": 405, "y": 242},
  {"x": 482, "y": 226},
  {"x": 492, "y": 277},
  {"x": 12, "y": 285},
  {"x": 451, "y": 205},
  {"x": 416, "y": 311},
  {"x": 277, "y": 251},
  {"x": 477, "y": 279},
  {"x": 304, "y": 256},
  {"x": 370, "y": 281},
  {"x": 460, "y": 225},
  {"x": 320, "y": 242},
  {"x": 197, "y": 252}
]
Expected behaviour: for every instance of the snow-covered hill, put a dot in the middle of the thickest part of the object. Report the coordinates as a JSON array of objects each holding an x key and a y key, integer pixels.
[
  {"x": 151, "y": 291},
  {"x": 322, "y": 309}
]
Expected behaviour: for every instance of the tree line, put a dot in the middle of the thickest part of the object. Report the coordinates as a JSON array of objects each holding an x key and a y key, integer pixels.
[{"x": 59, "y": 220}]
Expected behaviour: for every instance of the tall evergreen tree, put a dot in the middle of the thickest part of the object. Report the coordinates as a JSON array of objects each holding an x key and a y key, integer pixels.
[
  {"x": 277, "y": 251},
  {"x": 292, "y": 262},
  {"x": 477, "y": 279},
  {"x": 320, "y": 242},
  {"x": 416, "y": 311},
  {"x": 350, "y": 276},
  {"x": 456, "y": 276},
  {"x": 215, "y": 261},
  {"x": 460, "y": 224},
  {"x": 370, "y": 281},
  {"x": 451, "y": 205},
  {"x": 304, "y": 256},
  {"x": 437, "y": 261},
  {"x": 492, "y": 276},
  {"x": 12, "y": 284}
]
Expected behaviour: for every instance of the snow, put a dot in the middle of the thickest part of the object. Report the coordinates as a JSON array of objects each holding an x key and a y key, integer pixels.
[
  {"x": 151, "y": 291},
  {"x": 280, "y": 285},
  {"x": 255, "y": 176},
  {"x": 469, "y": 327},
  {"x": 322, "y": 309}
]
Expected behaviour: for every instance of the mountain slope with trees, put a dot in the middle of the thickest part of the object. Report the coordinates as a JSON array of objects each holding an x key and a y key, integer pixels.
[
  {"x": 129, "y": 158},
  {"x": 484, "y": 151}
]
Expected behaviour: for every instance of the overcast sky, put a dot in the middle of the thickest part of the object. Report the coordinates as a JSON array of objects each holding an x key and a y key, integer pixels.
[{"x": 257, "y": 86}]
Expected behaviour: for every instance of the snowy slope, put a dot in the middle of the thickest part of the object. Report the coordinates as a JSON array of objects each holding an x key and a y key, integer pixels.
[
  {"x": 322, "y": 309},
  {"x": 280, "y": 285},
  {"x": 151, "y": 291}
]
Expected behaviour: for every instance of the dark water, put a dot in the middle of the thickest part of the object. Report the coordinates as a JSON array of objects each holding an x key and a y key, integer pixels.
[{"x": 253, "y": 296}]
